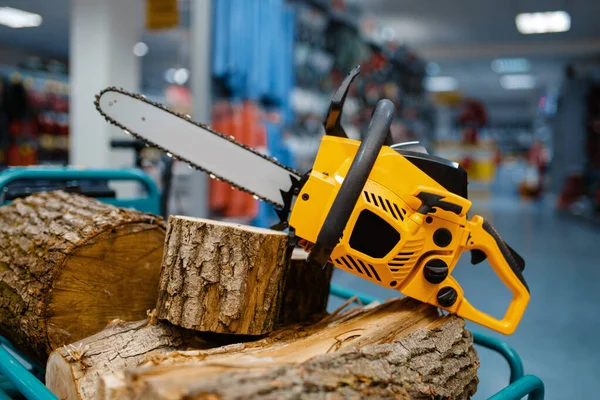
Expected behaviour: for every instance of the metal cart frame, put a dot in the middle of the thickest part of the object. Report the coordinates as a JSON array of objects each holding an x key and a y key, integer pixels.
[{"x": 21, "y": 377}]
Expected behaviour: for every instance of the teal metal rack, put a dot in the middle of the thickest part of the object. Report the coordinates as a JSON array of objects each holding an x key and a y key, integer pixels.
[
  {"x": 20, "y": 377},
  {"x": 149, "y": 204}
]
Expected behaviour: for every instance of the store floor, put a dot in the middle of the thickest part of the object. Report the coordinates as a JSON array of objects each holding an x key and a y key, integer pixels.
[{"x": 558, "y": 336}]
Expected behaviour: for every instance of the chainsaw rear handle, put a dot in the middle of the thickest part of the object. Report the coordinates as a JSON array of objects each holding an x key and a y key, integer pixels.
[
  {"x": 509, "y": 268},
  {"x": 353, "y": 184}
]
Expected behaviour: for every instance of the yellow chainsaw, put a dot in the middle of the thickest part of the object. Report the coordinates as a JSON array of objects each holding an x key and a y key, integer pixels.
[{"x": 390, "y": 213}]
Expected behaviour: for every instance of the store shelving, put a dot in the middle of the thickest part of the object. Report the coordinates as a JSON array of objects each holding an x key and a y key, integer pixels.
[
  {"x": 330, "y": 41},
  {"x": 36, "y": 115}
]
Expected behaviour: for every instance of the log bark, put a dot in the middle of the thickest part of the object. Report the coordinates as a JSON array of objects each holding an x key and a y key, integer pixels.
[
  {"x": 70, "y": 264},
  {"x": 73, "y": 371},
  {"x": 222, "y": 277},
  {"x": 400, "y": 349},
  {"x": 306, "y": 290}
]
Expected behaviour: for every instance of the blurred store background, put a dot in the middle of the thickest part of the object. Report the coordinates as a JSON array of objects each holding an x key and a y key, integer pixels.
[{"x": 510, "y": 90}]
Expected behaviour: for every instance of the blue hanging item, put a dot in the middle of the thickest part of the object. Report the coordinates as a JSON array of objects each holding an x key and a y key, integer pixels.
[
  {"x": 289, "y": 26},
  {"x": 253, "y": 89},
  {"x": 236, "y": 72},
  {"x": 220, "y": 37},
  {"x": 278, "y": 52},
  {"x": 264, "y": 47},
  {"x": 253, "y": 54},
  {"x": 253, "y": 48}
]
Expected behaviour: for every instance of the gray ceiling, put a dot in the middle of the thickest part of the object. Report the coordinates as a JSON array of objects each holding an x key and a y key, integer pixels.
[{"x": 462, "y": 36}]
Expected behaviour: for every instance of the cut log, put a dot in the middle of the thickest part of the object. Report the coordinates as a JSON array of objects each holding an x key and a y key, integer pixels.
[
  {"x": 400, "y": 349},
  {"x": 306, "y": 290},
  {"x": 222, "y": 277},
  {"x": 70, "y": 264},
  {"x": 73, "y": 371}
]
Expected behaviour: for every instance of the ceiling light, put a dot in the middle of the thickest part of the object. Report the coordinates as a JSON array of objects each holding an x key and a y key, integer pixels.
[
  {"x": 140, "y": 49},
  {"x": 16, "y": 18},
  {"x": 517, "y": 82},
  {"x": 511, "y": 65},
  {"x": 543, "y": 22},
  {"x": 181, "y": 76},
  {"x": 441, "y": 84},
  {"x": 432, "y": 69}
]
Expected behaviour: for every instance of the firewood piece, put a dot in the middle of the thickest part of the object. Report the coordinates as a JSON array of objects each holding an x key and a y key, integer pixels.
[
  {"x": 69, "y": 264},
  {"x": 306, "y": 290},
  {"x": 73, "y": 371},
  {"x": 222, "y": 277},
  {"x": 400, "y": 349}
]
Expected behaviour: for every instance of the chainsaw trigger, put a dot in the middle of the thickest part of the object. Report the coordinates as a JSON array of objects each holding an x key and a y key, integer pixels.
[{"x": 477, "y": 256}]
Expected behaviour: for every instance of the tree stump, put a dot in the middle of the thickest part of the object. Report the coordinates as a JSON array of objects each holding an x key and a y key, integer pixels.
[
  {"x": 70, "y": 264},
  {"x": 222, "y": 277},
  {"x": 400, "y": 349},
  {"x": 73, "y": 371},
  {"x": 306, "y": 290}
]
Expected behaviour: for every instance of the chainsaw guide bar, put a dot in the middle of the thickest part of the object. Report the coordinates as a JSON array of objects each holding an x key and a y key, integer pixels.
[{"x": 279, "y": 203}]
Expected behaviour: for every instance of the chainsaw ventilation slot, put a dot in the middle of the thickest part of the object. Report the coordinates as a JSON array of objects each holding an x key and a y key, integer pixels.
[
  {"x": 359, "y": 266},
  {"x": 375, "y": 273},
  {"x": 346, "y": 262},
  {"x": 387, "y": 206},
  {"x": 373, "y": 236}
]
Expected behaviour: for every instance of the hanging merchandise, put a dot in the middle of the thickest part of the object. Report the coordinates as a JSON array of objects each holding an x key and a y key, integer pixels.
[
  {"x": 243, "y": 122},
  {"x": 252, "y": 56},
  {"x": 246, "y": 130},
  {"x": 252, "y": 65},
  {"x": 219, "y": 191}
]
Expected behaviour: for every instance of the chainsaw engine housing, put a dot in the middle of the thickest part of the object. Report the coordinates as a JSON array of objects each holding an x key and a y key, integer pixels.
[{"x": 386, "y": 239}]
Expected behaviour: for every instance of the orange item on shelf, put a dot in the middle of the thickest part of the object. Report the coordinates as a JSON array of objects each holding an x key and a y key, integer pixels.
[
  {"x": 21, "y": 155},
  {"x": 244, "y": 122},
  {"x": 242, "y": 131},
  {"x": 12, "y": 156},
  {"x": 259, "y": 142},
  {"x": 220, "y": 192},
  {"x": 28, "y": 155}
]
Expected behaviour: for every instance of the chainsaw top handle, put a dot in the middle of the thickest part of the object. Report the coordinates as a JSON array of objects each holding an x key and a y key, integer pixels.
[{"x": 353, "y": 184}]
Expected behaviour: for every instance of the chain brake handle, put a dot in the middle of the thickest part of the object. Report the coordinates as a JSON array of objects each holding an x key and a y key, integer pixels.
[
  {"x": 333, "y": 120},
  {"x": 353, "y": 184}
]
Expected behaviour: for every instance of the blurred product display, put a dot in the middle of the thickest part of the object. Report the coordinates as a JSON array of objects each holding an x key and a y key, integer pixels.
[
  {"x": 34, "y": 116},
  {"x": 580, "y": 191}
]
